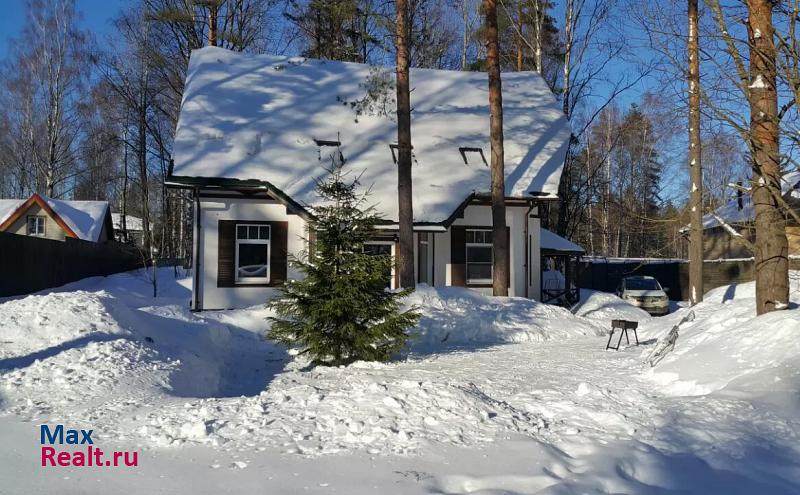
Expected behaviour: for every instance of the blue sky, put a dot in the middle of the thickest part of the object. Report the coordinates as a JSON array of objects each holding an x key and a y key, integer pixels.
[{"x": 95, "y": 13}]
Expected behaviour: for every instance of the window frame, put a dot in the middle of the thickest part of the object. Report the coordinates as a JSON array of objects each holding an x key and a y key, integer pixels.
[
  {"x": 267, "y": 242},
  {"x": 39, "y": 219},
  {"x": 423, "y": 245},
  {"x": 467, "y": 245}
]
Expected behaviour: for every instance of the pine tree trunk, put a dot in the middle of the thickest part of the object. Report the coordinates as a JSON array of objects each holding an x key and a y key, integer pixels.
[
  {"x": 212, "y": 25},
  {"x": 520, "y": 41},
  {"x": 500, "y": 272},
  {"x": 771, "y": 256},
  {"x": 404, "y": 196},
  {"x": 695, "y": 164}
]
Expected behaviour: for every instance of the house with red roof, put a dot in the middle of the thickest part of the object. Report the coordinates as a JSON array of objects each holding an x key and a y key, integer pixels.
[{"x": 55, "y": 219}]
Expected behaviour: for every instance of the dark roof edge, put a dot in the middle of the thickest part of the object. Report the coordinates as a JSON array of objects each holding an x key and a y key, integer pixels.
[
  {"x": 186, "y": 182},
  {"x": 554, "y": 252}
]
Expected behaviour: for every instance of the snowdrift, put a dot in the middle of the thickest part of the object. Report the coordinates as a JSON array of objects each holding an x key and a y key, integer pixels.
[
  {"x": 727, "y": 346},
  {"x": 455, "y": 316},
  {"x": 38, "y": 322},
  {"x": 603, "y": 306}
]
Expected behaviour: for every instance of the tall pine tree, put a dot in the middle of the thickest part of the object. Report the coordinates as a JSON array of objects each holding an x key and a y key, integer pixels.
[{"x": 341, "y": 311}]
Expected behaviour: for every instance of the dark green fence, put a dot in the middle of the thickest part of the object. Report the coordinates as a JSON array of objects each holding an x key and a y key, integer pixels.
[
  {"x": 606, "y": 274},
  {"x": 30, "y": 264}
]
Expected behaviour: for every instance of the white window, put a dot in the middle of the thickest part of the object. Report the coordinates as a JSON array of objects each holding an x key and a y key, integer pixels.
[
  {"x": 36, "y": 225},
  {"x": 252, "y": 253},
  {"x": 479, "y": 256}
]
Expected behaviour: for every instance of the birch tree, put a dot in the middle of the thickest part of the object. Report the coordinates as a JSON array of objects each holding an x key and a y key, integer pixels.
[{"x": 45, "y": 82}]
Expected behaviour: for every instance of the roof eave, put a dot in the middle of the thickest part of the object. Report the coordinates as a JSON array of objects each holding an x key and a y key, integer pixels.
[
  {"x": 560, "y": 252},
  {"x": 187, "y": 182}
]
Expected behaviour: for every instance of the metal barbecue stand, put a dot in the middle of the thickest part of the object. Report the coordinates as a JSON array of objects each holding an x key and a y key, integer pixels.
[{"x": 623, "y": 326}]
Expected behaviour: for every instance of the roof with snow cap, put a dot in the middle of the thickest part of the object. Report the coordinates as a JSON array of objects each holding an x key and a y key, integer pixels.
[
  {"x": 733, "y": 215},
  {"x": 554, "y": 243},
  {"x": 82, "y": 219},
  {"x": 276, "y": 119},
  {"x": 7, "y": 207}
]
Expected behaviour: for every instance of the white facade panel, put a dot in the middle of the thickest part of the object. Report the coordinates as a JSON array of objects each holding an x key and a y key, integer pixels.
[
  {"x": 524, "y": 279},
  {"x": 212, "y": 210},
  {"x": 481, "y": 216}
]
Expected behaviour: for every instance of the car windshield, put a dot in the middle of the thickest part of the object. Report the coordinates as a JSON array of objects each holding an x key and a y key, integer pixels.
[{"x": 641, "y": 284}]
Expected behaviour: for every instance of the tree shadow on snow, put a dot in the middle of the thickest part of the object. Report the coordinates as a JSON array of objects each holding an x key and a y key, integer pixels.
[
  {"x": 16, "y": 362},
  {"x": 735, "y": 459},
  {"x": 730, "y": 293},
  {"x": 657, "y": 472},
  {"x": 213, "y": 359}
]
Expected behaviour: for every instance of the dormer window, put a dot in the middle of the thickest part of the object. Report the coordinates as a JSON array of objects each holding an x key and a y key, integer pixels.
[
  {"x": 465, "y": 150},
  {"x": 394, "y": 147},
  {"x": 323, "y": 143}
]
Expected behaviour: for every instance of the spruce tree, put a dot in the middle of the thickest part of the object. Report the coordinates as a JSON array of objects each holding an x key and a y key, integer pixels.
[{"x": 341, "y": 311}]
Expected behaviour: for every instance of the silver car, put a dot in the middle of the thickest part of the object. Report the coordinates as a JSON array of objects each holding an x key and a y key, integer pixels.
[{"x": 646, "y": 293}]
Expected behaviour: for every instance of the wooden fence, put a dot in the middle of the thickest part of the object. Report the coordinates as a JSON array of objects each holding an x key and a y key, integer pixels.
[
  {"x": 30, "y": 264},
  {"x": 606, "y": 274}
]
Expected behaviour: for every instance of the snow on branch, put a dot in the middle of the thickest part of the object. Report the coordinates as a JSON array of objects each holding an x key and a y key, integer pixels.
[{"x": 734, "y": 233}]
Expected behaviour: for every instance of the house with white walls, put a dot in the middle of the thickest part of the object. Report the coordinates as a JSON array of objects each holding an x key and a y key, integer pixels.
[{"x": 256, "y": 133}]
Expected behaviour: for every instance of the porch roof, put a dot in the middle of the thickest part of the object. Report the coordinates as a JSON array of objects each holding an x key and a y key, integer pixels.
[{"x": 553, "y": 244}]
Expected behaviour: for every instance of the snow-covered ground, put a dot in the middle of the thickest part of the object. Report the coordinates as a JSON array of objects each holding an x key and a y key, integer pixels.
[{"x": 494, "y": 396}]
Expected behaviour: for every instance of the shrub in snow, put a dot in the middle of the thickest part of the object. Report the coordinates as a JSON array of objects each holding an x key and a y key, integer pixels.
[{"x": 341, "y": 311}]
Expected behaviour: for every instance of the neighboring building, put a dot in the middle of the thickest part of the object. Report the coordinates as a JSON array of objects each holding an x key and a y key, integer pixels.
[
  {"x": 255, "y": 132},
  {"x": 739, "y": 213},
  {"x": 40, "y": 216},
  {"x": 133, "y": 226}
]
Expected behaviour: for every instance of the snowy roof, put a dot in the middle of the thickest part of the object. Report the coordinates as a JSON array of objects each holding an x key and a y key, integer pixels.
[
  {"x": 733, "y": 215},
  {"x": 8, "y": 207},
  {"x": 258, "y": 116},
  {"x": 84, "y": 218},
  {"x": 132, "y": 223},
  {"x": 554, "y": 242}
]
